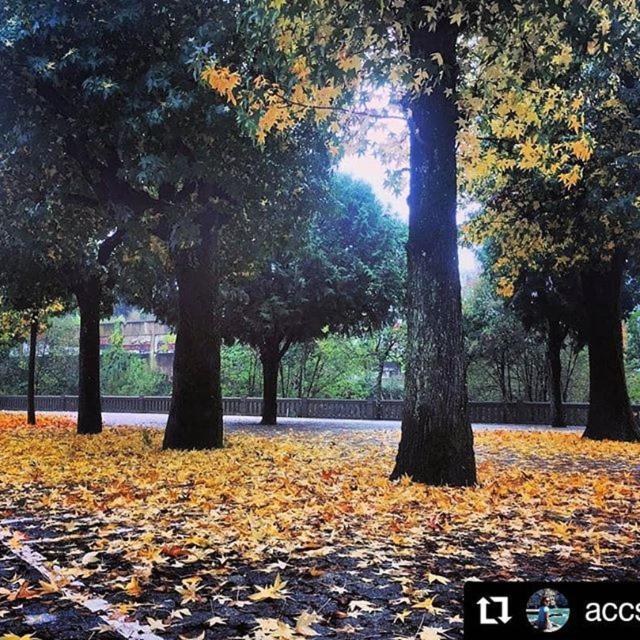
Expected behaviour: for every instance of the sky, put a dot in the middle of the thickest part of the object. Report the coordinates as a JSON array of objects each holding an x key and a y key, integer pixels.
[{"x": 369, "y": 168}]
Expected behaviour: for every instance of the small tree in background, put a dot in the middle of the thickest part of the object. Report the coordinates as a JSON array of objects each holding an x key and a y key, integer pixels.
[
  {"x": 387, "y": 345},
  {"x": 343, "y": 274},
  {"x": 33, "y": 291}
]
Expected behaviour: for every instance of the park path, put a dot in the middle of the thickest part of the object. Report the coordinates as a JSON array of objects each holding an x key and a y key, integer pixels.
[{"x": 251, "y": 423}]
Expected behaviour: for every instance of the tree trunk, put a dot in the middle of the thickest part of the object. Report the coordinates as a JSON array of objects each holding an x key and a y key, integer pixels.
[
  {"x": 555, "y": 339},
  {"x": 436, "y": 446},
  {"x": 88, "y": 295},
  {"x": 195, "y": 414},
  {"x": 610, "y": 416},
  {"x": 31, "y": 380},
  {"x": 269, "y": 356},
  {"x": 378, "y": 390}
]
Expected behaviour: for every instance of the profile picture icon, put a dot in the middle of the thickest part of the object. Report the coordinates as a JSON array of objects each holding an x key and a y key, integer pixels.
[{"x": 547, "y": 610}]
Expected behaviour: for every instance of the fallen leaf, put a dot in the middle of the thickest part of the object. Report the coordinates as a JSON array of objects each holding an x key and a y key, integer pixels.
[{"x": 276, "y": 591}]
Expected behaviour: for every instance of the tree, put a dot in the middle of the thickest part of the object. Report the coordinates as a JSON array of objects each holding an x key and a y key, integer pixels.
[
  {"x": 507, "y": 359},
  {"x": 106, "y": 88},
  {"x": 540, "y": 303},
  {"x": 334, "y": 366},
  {"x": 549, "y": 304},
  {"x": 388, "y": 346},
  {"x": 57, "y": 356},
  {"x": 588, "y": 233},
  {"x": 60, "y": 175},
  {"x": 32, "y": 290},
  {"x": 508, "y": 351},
  {"x": 343, "y": 273},
  {"x": 324, "y": 60}
]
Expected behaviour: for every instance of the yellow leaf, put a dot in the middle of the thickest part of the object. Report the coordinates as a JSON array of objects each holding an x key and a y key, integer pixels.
[
  {"x": 49, "y": 587},
  {"x": 581, "y": 149},
  {"x": 276, "y": 591},
  {"x": 133, "y": 587},
  {"x": 156, "y": 625},
  {"x": 273, "y": 629},
  {"x": 427, "y": 605},
  {"x": 432, "y": 577},
  {"x": 402, "y": 616},
  {"x": 304, "y": 622},
  {"x": 222, "y": 80}
]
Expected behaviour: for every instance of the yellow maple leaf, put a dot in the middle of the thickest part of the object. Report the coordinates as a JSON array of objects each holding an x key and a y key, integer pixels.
[
  {"x": 432, "y": 577},
  {"x": 427, "y": 605},
  {"x": 402, "y": 616},
  {"x": 49, "y": 586},
  {"x": 456, "y": 18},
  {"x": 581, "y": 149},
  {"x": 133, "y": 587},
  {"x": 189, "y": 589},
  {"x": 276, "y": 591},
  {"x": 273, "y": 629},
  {"x": 222, "y": 80},
  {"x": 156, "y": 625},
  {"x": 304, "y": 622}
]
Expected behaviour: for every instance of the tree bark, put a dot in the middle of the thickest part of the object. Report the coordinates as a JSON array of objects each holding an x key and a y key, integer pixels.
[
  {"x": 270, "y": 359},
  {"x": 31, "y": 379},
  {"x": 555, "y": 338},
  {"x": 195, "y": 414},
  {"x": 436, "y": 446},
  {"x": 88, "y": 295},
  {"x": 610, "y": 416}
]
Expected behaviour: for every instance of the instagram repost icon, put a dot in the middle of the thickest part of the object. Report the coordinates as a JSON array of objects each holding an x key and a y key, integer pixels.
[
  {"x": 485, "y": 603},
  {"x": 547, "y": 610}
]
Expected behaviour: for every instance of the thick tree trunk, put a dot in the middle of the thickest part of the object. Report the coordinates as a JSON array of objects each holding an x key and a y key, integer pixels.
[
  {"x": 195, "y": 415},
  {"x": 436, "y": 446},
  {"x": 610, "y": 415},
  {"x": 88, "y": 295},
  {"x": 555, "y": 339},
  {"x": 31, "y": 379},
  {"x": 270, "y": 363}
]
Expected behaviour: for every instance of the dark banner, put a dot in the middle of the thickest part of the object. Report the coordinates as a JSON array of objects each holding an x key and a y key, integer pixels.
[{"x": 567, "y": 610}]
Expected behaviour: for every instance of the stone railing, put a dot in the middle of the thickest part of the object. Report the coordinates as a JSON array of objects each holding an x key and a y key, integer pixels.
[{"x": 479, "y": 412}]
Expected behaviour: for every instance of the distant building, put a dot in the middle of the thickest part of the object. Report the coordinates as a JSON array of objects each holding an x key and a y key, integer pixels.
[
  {"x": 143, "y": 335},
  {"x": 391, "y": 370}
]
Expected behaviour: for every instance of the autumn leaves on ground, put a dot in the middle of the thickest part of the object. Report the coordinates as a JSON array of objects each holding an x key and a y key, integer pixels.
[{"x": 287, "y": 537}]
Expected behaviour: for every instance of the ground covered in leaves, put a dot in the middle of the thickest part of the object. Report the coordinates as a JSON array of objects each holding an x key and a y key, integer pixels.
[{"x": 292, "y": 536}]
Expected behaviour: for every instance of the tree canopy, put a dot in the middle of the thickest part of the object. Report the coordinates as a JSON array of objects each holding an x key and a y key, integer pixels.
[{"x": 343, "y": 273}]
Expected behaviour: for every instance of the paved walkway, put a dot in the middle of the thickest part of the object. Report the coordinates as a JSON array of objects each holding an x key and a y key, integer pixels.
[{"x": 243, "y": 423}]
